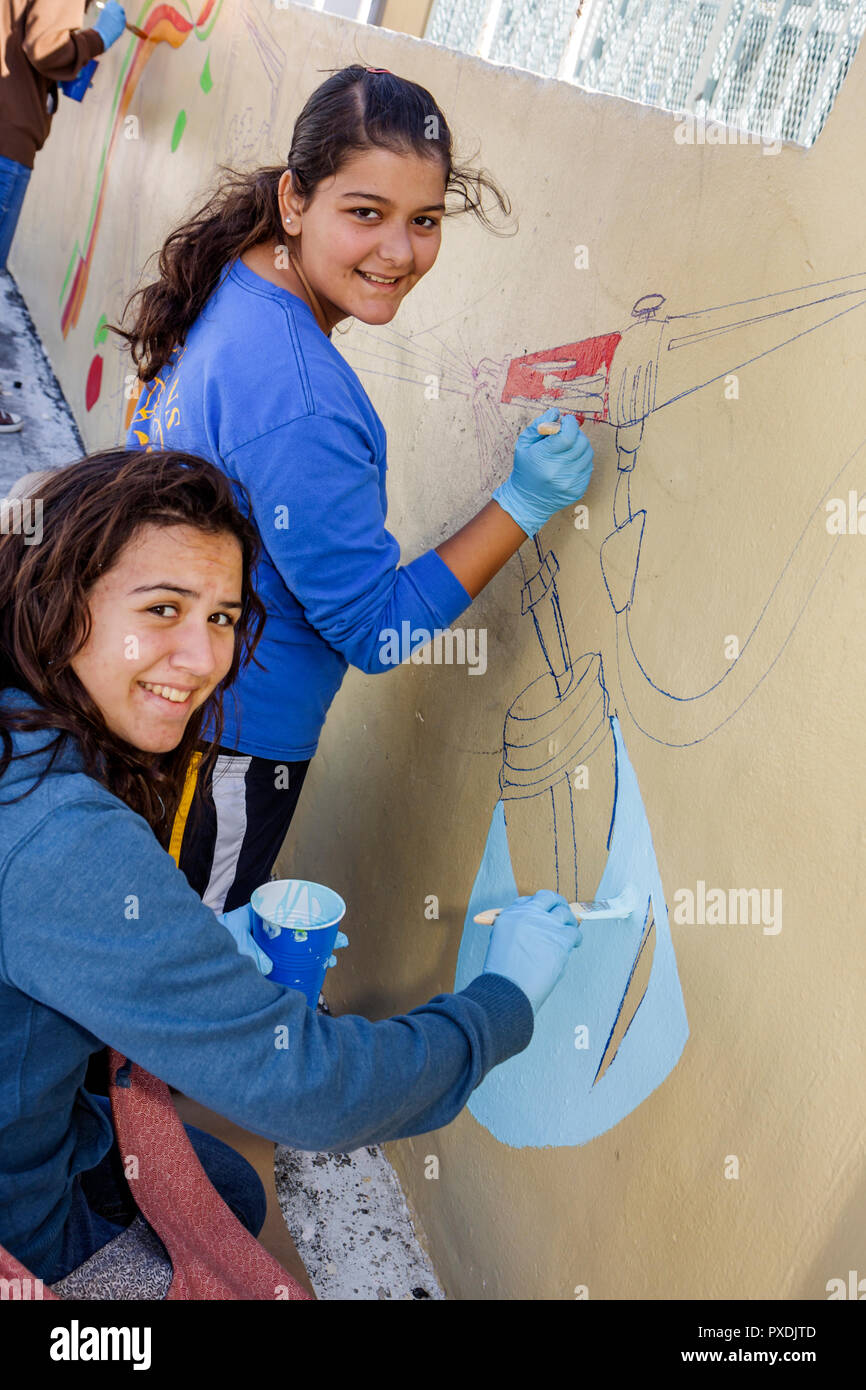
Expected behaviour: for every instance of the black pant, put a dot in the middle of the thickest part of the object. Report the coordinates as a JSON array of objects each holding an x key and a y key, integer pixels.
[{"x": 230, "y": 850}]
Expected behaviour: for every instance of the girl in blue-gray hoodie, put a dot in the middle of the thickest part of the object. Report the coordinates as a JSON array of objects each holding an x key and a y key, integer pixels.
[{"x": 121, "y": 623}]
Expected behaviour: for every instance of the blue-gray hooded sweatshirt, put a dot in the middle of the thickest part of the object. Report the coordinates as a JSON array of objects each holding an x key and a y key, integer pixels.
[{"x": 102, "y": 941}]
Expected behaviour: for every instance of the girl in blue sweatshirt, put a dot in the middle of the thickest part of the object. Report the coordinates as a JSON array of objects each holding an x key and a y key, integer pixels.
[
  {"x": 119, "y": 632},
  {"x": 233, "y": 343}
]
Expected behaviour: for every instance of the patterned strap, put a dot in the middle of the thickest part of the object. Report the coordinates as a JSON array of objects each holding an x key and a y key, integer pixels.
[
  {"x": 131, "y": 1266},
  {"x": 214, "y": 1256}
]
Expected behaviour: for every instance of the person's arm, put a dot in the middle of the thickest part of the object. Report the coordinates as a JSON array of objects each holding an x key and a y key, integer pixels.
[
  {"x": 317, "y": 501},
  {"x": 550, "y": 472},
  {"x": 53, "y": 42},
  {"x": 100, "y": 925},
  {"x": 477, "y": 552},
  {"x": 318, "y": 504}
]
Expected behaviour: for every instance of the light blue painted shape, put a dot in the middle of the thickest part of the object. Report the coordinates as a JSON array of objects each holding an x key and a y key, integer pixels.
[{"x": 544, "y": 1097}]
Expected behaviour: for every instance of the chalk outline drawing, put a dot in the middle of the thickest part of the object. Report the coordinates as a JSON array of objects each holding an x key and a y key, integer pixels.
[
  {"x": 600, "y": 380},
  {"x": 614, "y": 378},
  {"x": 271, "y": 55},
  {"x": 618, "y": 379}
]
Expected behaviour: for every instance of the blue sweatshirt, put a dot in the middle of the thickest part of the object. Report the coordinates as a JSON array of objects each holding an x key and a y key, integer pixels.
[
  {"x": 259, "y": 390},
  {"x": 102, "y": 941}
]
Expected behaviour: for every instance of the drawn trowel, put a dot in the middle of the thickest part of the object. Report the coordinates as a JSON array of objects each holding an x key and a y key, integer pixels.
[{"x": 621, "y": 378}]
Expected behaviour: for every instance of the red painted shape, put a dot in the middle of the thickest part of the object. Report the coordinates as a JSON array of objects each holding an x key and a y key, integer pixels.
[
  {"x": 585, "y": 358},
  {"x": 177, "y": 20},
  {"x": 94, "y": 383}
]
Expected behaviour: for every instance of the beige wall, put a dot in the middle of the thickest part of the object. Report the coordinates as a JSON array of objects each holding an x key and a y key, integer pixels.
[
  {"x": 399, "y": 799},
  {"x": 406, "y": 16}
]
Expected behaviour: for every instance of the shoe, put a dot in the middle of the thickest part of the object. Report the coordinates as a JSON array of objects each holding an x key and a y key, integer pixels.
[{"x": 9, "y": 423}]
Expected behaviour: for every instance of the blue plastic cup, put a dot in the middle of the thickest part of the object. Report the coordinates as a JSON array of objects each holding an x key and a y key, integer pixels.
[
  {"x": 75, "y": 87},
  {"x": 296, "y": 923}
]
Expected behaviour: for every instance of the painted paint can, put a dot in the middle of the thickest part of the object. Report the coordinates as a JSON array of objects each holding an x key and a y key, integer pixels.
[
  {"x": 296, "y": 923},
  {"x": 77, "y": 86}
]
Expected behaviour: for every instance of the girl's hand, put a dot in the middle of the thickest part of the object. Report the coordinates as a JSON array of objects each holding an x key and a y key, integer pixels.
[
  {"x": 240, "y": 923},
  {"x": 550, "y": 472},
  {"x": 531, "y": 942},
  {"x": 110, "y": 24}
]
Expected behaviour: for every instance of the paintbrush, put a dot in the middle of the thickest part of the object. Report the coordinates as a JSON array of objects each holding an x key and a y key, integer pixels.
[
  {"x": 133, "y": 28},
  {"x": 601, "y": 909}
]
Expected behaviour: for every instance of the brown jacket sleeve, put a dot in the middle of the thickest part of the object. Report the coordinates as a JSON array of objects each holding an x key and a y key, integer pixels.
[{"x": 49, "y": 44}]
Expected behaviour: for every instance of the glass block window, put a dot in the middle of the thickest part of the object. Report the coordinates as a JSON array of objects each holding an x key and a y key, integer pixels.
[
  {"x": 518, "y": 37},
  {"x": 459, "y": 23},
  {"x": 770, "y": 67}
]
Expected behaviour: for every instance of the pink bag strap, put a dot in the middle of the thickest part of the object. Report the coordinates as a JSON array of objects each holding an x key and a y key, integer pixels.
[
  {"x": 28, "y": 1285},
  {"x": 213, "y": 1255}
]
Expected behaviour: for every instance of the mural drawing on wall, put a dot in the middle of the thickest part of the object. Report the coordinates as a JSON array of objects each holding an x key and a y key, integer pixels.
[
  {"x": 616, "y": 1024},
  {"x": 162, "y": 23}
]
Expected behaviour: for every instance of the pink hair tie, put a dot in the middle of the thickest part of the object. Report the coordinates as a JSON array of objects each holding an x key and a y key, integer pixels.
[{"x": 390, "y": 74}]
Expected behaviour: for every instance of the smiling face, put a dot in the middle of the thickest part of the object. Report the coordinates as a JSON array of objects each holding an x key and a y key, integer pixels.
[
  {"x": 162, "y": 617},
  {"x": 381, "y": 214}
]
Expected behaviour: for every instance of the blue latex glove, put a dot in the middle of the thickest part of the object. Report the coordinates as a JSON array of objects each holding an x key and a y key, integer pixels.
[
  {"x": 240, "y": 923},
  {"x": 550, "y": 472},
  {"x": 530, "y": 943},
  {"x": 110, "y": 24}
]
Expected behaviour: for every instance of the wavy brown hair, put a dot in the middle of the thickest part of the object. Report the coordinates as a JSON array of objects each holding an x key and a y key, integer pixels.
[
  {"x": 354, "y": 110},
  {"x": 90, "y": 510}
]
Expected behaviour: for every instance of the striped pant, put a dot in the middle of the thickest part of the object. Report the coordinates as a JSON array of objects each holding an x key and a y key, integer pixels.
[{"x": 231, "y": 848}]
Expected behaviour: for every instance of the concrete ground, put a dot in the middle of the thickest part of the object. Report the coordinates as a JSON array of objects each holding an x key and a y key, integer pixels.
[
  {"x": 339, "y": 1222},
  {"x": 29, "y": 388}
]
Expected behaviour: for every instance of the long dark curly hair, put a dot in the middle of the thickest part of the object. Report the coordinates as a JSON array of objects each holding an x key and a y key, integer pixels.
[
  {"x": 90, "y": 510},
  {"x": 356, "y": 109}
]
